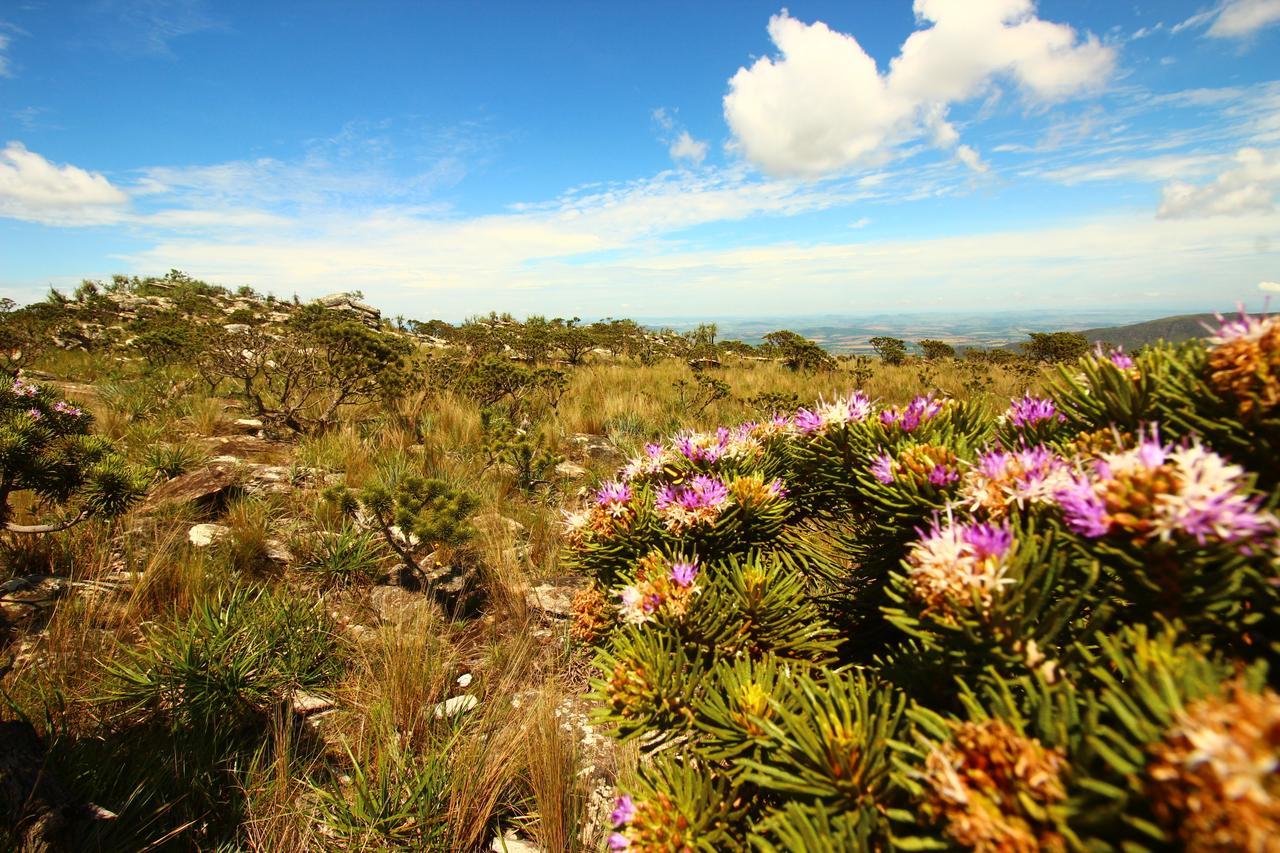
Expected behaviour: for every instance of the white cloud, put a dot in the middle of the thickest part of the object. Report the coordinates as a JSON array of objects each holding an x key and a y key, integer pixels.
[
  {"x": 823, "y": 105},
  {"x": 1249, "y": 187},
  {"x": 681, "y": 146},
  {"x": 35, "y": 190},
  {"x": 686, "y": 148},
  {"x": 6, "y": 65},
  {"x": 1242, "y": 18}
]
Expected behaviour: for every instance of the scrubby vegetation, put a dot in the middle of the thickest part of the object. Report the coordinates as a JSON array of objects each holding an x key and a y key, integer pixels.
[{"x": 295, "y": 577}]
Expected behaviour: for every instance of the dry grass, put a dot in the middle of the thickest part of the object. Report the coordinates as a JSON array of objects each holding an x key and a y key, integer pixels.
[{"x": 511, "y": 762}]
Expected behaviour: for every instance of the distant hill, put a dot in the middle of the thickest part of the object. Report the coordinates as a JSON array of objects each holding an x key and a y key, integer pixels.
[{"x": 1135, "y": 335}]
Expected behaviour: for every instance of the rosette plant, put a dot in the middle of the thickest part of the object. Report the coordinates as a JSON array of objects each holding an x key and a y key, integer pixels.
[{"x": 52, "y": 470}]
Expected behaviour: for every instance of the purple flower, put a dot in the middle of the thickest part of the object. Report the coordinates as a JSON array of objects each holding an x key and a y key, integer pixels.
[
  {"x": 919, "y": 410},
  {"x": 777, "y": 489},
  {"x": 623, "y": 811},
  {"x": 988, "y": 540},
  {"x": 882, "y": 468},
  {"x": 1120, "y": 359},
  {"x": 618, "y": 841},
  {"x": 808, "y": 422},
  {"x": 67, "y": 409},
  {"x": 682, "y": 575},
  {"x": 1082, "y": 509},
  {"x": 653, "y": 451},
  {"x": 613, "y": 498},
  {"x": 24, "y": 389},
  {"x": 943, "y": 475},
  {"x": 34, "y": 414},
  {"x": 1031, "y": 411},
  {"x": 667, "y": 495},
  {"x": 703, "y": 491}
]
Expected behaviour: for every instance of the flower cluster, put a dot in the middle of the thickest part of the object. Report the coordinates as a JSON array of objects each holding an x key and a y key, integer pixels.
[
  {"x": 918, "y": 464},
  {"x": 1244, "y": 363},
  {"x": 698, "y": 502},
  {"x": 64, "y": 408},
  {"x": 22, "y": 388},
  {"x": 661, "y": 587},
  {"x": 839, "y": 412},
  {"x": 1155, "y": 492},
  {"x": 955, "y": 564},
  {"x": 1215, "y": 778},
  {"x": 1003, "y": 479},
  {"x": 919, "y": 411},
  {"x": 994, "y": 789},
  {"x": 1032, "y": 411}
]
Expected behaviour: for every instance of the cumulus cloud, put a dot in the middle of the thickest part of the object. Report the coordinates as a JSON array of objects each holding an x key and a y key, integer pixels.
[
  {"x": 35, "y": 190},
  {"x": 1243, "y": 18},
  {"x": 1250, "y": 186},
  {"x": 686, "y": 148},
  {"x": 822, "y": 104}
]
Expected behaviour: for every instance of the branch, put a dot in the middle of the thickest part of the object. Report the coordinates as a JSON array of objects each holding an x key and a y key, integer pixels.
[{"x": 47, "y": 528}]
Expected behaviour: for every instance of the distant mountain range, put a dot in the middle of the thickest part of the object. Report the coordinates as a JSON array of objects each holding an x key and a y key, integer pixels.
[
  {"x": 1130, "y": 328},
  {"x": 1180, "y": 328}
]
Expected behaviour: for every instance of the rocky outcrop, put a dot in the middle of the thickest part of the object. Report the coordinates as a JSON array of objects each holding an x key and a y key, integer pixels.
[{"x": 351, "y": 304}]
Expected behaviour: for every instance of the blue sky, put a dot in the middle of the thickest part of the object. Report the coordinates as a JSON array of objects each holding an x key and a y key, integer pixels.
[{"x": 656, "y": 159}]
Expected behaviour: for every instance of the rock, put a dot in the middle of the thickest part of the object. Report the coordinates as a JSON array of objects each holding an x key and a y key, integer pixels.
[
  {"x": 464, "y": 680},
  {"x": 278, "y": 552},
  {"x": 237, "y": 328},
  {"x": 553, "y": 599},
  {"x": 350, "y": 303},
  {"x": 395, "y": 605},
  {"x": 571, "y": 470},
  {"x": 34, "y": 590},
  {"x": 494, "y": 524},
  {"x": 594, "y": 447},
  {"x": 455, "y": 706},
  {"x": 248, "y": 425},
  {"x": 509, "y": 842},
  {"x": 209, "y": 487},
  {"x": 205, "y": 535},
  {"x": 305, "y": 704}
]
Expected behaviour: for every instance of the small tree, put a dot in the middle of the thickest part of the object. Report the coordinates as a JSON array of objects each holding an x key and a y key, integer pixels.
[
  {"x": 1055, "y": 347},
  {"x": 935, "y": 349},
  {"x": 574, "y": 341},
  {"x": 890, "y": 350},
  {"x": 46, "y": 451},
  {"x": 798, "y": 353},
  {"x": 428, "y": 510}
]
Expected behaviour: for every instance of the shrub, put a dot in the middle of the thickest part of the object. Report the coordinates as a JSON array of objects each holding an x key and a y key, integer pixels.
[
  {"x": 853, "y": 626},
  {"x": 798, "y": 353},
  {"x": 1055, "y": 347},
  {"x": 890, "y": 350},
  {"x": 934, "y": 349},
  {"x": 48, "y": 455}
]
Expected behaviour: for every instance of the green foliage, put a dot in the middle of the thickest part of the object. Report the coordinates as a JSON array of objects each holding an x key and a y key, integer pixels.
[
  {"x": 343, "y": 557},
  {"x": 695, "y": 396},
  {"x": 951, "y": 629},
  {"x": 523, "y": 452},
  {"x": 47, "y": 452},
  {"x": 231, "y": 660},
  {"x": 398, "y": 801},
  {"x": 1055, "y": 347},
  {"x": 798, "y": 353},
  {"x": 890, "y": 350},
  {"x": 935, "y": 349}
]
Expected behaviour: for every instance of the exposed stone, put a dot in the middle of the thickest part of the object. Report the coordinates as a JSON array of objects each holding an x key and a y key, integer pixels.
[
  {"x": 278, "y": 552},
  {"x": 553, "y": 599},
  {"x": 509, "y": 842},
  {"x": 305, "y": 704},
  {"x": 596, "y": 447},
  {"x": 237, "y": 328},
  {"x": 395, "y": 605},
  {"x": 248, "y": 425},
  {"x": 495, "y": 525},
  {"x": 205, "y": 535},
  {"x": 455, "y": 706},
  {"x": 208, "y": 487},
  {"x": 571, "y": 470}
]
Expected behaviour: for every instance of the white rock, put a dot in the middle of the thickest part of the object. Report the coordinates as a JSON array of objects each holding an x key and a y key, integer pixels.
[
  {"x": 304, "y": 704},
  {"x": 464, "y": 680},
  {"x": 204, "y": 535},
  {"x": 509, "y": 842},
  {"x": 571, "y": 470},
  {"x": 455, "y": 706},
  {"x": 248, "y": 424}
]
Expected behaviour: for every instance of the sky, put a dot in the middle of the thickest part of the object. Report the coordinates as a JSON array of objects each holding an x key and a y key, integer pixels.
[{"x": 709, "y": 159}]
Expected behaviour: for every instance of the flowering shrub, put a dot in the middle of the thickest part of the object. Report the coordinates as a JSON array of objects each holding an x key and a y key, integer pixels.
[
  {"x": 47, "y": 454},
  {"x": 855, "y": 626}
]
